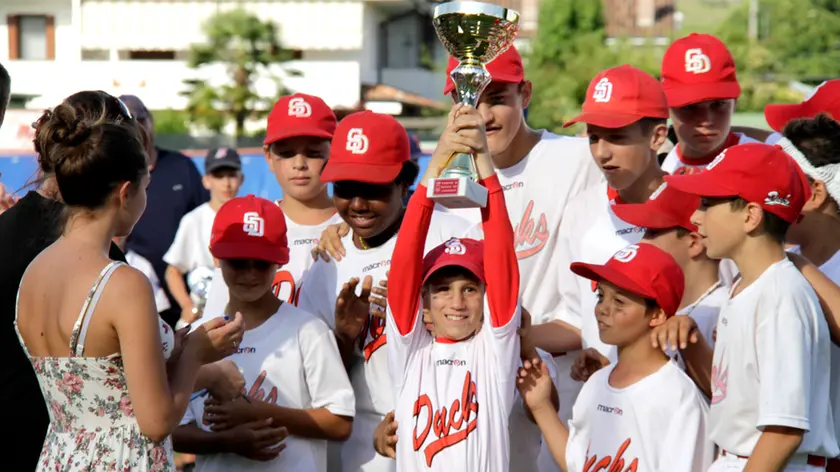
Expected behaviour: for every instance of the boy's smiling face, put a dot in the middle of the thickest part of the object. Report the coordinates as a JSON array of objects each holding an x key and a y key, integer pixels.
[{"x": 248, "y": 280}]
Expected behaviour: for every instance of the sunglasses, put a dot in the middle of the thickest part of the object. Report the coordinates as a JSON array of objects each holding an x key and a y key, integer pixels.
[{"x": 124, "y": 111}]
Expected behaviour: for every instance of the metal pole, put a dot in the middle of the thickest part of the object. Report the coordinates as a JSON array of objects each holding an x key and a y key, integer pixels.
[{"x": 752, "y": 27}]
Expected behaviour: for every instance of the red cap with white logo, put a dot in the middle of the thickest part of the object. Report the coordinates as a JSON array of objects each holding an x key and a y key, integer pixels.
[
  {"x": 621, "y": 96},
  {"x": 644, "y": 270},
  {"x": 507, "y": 67},
  {"x": 698, "y": 68},
  {"x": 466, "y": 253},
  {"x": 666, "y": 208},
  {"x": 300, "y": 115},
  {"x": 368, "y": 147},
  {"x": 250, "y": 228},
  {"x": 756, "y": 172},
  {"x": 824, "y": 99}
]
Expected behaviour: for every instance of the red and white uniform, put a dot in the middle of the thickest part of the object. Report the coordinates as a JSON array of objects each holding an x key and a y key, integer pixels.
[
  {"x": 675, "y": 163},
  {"x": 369, "y": 375},
  {"x": 454, "y": 398},
  {"x": 290, "y": 360},
  {"x": 302, "y": 239},
  {"x": 771, "y": 355},
  {"x": 634, "y": 428}
]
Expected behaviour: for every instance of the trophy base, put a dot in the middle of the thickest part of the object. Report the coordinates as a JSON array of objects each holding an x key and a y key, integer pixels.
[{"x": 459, "y": 192}]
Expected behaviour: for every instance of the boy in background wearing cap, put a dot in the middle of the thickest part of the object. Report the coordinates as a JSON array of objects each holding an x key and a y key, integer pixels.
[
  {"x": 770, "y": 398},
  {"x": 625, "y": 113},
  {"x": 825, "y": 98},
  {"x": 295, "y": 382},
  {"x": 643, "y": 412},
  {"x": 467, "y": 370},
  {"x": 189, "y": 251},
  {"x": 371, "y": 172},
  {"x": 698, "y": 75},
  {"x": 296, "y": 147}
]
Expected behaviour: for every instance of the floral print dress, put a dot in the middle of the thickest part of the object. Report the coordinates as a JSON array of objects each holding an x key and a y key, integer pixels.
[{"x": 92, "y": 422}]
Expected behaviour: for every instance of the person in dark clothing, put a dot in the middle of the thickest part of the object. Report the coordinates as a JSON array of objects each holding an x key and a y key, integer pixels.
[
  {"x": 26, "y": 229},
  {"x": 174, "y": 191}
]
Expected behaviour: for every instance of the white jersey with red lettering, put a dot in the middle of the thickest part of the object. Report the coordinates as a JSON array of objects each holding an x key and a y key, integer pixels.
[
  {"x": 454, "y": 399},
  {"x": 290, "y": 360},
  {"x": 591, "y": 233},
  {"x": 675, "y": 163},
  {"x": 302, "y": 239},
  {"x": 770, "y": 359},
  {"x": 369, "y": 375},
  {"x": 657, "y": 424}
]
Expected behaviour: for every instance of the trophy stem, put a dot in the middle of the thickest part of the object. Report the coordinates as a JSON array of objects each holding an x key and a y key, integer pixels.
[
  {"x": 460, "y": 165},
  {"x": 470, "y": 79}
]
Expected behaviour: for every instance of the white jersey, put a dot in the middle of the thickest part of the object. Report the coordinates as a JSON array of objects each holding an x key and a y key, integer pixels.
[
  {"x": 291, "y": 360},
  {"x": 191, "y": 247},
  {"x": 657, "y": 424},
  {"x": 302, "y": 239},
  {"x": 773, "y": 138},
  {"x": 770, "y": 358},
  {"x": 454, "y": 399},
  {"x": 704, "y": 311},
  {"x": 591, "y": 233},
  {"x": 143, "y": 265},
  {"x": 674, "y": 161},
  {"x": 369, "y": 375}
]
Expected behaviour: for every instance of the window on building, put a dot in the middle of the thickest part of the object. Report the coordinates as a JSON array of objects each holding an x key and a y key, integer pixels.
[{"x": 31, "y": 37}]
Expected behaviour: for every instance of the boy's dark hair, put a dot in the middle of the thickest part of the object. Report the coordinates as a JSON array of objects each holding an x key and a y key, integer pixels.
[
  {"x": 451, "y": 271},
  {"x": 5, "y": 90},
  {"x": 818, "y": 138},
  {"x": 774, "y": 226},
  {"x": 408, "y": 174},
  {"x": 648, "y": 124}
]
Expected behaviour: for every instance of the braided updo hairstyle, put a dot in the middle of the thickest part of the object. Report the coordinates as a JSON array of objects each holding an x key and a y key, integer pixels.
[{"x": 92, "y": 146}]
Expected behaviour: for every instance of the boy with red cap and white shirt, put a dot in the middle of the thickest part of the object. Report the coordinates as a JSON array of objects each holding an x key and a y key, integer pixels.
[
  {"x": 294, "y": 379},
  {"x": 625, "y": 112},
  {"x": 296, "y": 147},
  {"x": 643, "y": 412},
  {"x": 825, "y": 98},
  {"x": 371, "y": 172},
  {"x": 698, "y": 75},
  {"x": 467, "y": 370},
  {"x": 770, "y": 395}
]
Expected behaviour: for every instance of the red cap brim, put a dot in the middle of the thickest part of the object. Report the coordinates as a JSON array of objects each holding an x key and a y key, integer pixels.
[
  {"x": 257, "y": 252},
  {"x": 703, "y": 184},
  {"x": 604, "y": 120},
  {"x": 505, "y": 78},
  {"x": 360, "y": 172},
  {"x": 600, "y": 272},
  {"x": 646, "y": 216},
  {"x": 778, "y": 116},
  {"x": 689, "y": 94},
  {"x": 294, "y": 132},
  {"x": 473, "y": 268}
]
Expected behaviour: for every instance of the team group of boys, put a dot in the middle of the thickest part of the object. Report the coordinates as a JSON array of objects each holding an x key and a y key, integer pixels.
[{"x": 604, "y": 311}]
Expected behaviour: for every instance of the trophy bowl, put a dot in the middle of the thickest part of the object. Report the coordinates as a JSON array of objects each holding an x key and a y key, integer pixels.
[
  {"x": 198, "y": 282},
  {"x": 474, "y": 33}
]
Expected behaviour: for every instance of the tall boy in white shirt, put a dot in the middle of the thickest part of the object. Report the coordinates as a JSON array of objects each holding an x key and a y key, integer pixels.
[
  {"x": 643, "y": 412},
  {"x": 770, "y": 395},
  {"x": 294, "y": 378}
]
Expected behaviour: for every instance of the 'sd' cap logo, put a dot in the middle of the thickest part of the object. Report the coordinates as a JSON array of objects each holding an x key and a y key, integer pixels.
[
  {"x": 357, "y": 142},
  {"x": 603, "y": 91},
  {"x": 299, "y": 108},
  {"x": 455, "y": 247},
  {"x": 253, "y": 224},
  {"x": 697, "y": 62},
  {"x": 627, "y": 254}
]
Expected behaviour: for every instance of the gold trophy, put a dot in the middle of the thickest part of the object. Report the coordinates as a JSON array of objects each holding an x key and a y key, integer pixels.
[{"x": 474, "y": 33}]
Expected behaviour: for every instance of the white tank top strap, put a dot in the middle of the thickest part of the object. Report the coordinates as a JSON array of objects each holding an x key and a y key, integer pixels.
[
  {"x": 77, "y": 338},
  {"x": 17, "y": 331}
]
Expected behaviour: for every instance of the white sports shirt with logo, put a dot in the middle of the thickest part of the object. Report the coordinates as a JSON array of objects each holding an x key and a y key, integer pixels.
[
  {"x": 369, "y": 375},
  {"x": 658, "y": 424},
  {"x": 454, "y": 398},
  {"x": 770, "y": 362},
  {"x": 673, "y": 162},
  {"x": 291, "y": 360},
  {"x": 302, "y": 239}
]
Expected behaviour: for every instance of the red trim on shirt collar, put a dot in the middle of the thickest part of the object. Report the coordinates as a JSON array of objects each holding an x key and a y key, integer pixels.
[
  {"x": 443, "y": 340},
  {"x": 731, "y": 140}
]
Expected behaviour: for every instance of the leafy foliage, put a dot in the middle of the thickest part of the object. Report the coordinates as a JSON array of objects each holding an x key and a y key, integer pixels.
[{"x": 247, "y": 46}]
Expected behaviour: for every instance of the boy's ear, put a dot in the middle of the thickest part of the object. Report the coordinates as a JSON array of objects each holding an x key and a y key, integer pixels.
[
  {"x": 696, "y": 245},
  {"x": 658, "y": 317},
  {"x": 205, "y": 180}
]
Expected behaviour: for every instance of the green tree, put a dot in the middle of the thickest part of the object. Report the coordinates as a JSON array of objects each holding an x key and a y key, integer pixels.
[
  {"x": 247, "y": 46},
  {"x": 567, "y": 52}
]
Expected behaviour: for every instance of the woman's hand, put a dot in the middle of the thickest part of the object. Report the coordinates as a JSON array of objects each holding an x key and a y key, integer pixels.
[{"x": 216, "y": 339}]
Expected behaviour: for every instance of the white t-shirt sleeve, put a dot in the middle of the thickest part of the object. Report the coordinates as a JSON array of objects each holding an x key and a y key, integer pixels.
[
  {"x": 180, "y": 253},
  {"x": 327, "y": 381},
  {"x": 579, "y": 439},
  {"x": 400, "y": 348},
  {"x": 685, "y": 445},
  {"x": 784, "y": 340},
  {"x": 505, "y": 341},
  {"x": 316, "y": 292}
]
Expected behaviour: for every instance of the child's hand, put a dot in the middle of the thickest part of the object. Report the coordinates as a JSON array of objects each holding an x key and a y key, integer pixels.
[
  {"x": 330, "y": 242},
  {"x": 352, "y": 311},
  {"x": 675, "y": 333},
  {"x": 385, "y": 437},
  {"x": 587, "y": 363},
  {"x": 227, "y": 382},
  {"x": 534, "y": 384},
  {"x": 258, "y": 440},
  {"x": 379, "y": 298},
  {"x": 464, "y": 134},
  {"x": 226, "y": 415}
]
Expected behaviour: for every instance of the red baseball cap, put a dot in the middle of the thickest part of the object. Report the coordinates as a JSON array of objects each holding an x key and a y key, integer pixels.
[
  {"x": 368, "y": 147},
  {"x": 621, "y": 96},
  {"x": 250, "y": 228},
  {"x": 642, "y": 269},
  {"x": 824, "y": 99},
  {"x": 507, "y": 67},
  {"x": 466, "y": 253},
  {"x": 666, "y": 208},
  {"x": 756, "y": 172},
  {"x": 300, "y": 115},
  {"x": 697, "y": 68}
]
